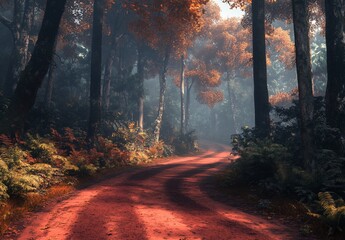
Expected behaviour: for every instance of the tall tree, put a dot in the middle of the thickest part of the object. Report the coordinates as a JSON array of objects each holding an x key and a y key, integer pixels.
[
  {"x": 96, "y": 70},
  {"x": 261, "y": 101},
  {"x": 36, "y": 69},
  {"x": 335, "y": 39},
  {"x": 182, "y": 93},
  {"x": 304, "y": 77}
]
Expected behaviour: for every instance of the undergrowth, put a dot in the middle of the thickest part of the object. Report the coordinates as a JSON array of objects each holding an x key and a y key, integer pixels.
[
  {"x": 39, "y": 168},
  {"x": 274, "y": 165}
]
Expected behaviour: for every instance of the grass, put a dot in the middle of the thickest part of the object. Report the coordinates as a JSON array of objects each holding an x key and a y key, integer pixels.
[{"x": 14, "y": 209}]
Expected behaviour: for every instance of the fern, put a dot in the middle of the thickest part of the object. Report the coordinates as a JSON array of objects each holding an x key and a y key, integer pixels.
[{"x": 333, "y": 212}]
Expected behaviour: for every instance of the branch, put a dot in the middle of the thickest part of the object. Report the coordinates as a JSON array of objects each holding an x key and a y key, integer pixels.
[{"x": 6, "y": 22}]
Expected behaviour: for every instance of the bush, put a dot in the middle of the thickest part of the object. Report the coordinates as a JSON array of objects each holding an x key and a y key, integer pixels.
[
  {"x": 332, "y": 211},
  {"x": 186, "y": 143},
  {"x": 259, "y": 162}
]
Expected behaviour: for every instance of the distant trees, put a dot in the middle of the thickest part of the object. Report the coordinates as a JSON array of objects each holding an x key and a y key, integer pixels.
[
  {"x": 167, "y": 27},
  {"x": 143, "y": 39}
]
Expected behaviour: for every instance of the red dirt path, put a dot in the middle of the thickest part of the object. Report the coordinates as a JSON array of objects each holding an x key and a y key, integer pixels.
[{"x": 163, "y": 201}]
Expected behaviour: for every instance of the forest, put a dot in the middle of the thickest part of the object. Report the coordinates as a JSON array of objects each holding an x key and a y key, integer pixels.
[{"x": 170, "y": 107}]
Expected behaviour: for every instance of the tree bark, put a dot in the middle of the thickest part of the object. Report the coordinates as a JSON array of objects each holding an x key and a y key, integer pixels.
[
  {"x": 15, "y": 61},
  {"x": 231, "y": 106},
  {"x": 304, "y": 77},
  {"x": 261, "y": 102},
  {"x": 189, "y": 88},
  {"x": 25, "y": 30},
  {"x": 108, "y": 74},
  {"x": 33, "y": 75},
  {"x": 163, "y": 86},
  {"x": 182, "y": 93},
  {"x": 141, "y": 88},
  {"x": 335, "y": 40},
  {"x": 96, "y": 71}
]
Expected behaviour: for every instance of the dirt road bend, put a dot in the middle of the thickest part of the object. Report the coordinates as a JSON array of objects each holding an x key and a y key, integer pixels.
[{"x": 164, "y": 201}]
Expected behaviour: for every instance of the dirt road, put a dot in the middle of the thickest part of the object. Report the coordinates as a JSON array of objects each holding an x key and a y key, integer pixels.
[{"x": 164, "y": 201}]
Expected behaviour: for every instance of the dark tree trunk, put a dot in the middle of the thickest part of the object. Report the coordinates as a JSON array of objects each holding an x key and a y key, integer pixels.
[
  {"x": 96, "y": 71},
  {"x": 304, "y": 76},
  {"x": 335, "y": 39},
  {"x": 182, "y": 89},
  {"x": 141, "y": 93},
  {"x": 262, "y": 118},
  {"x": 231, "y": 106},
  {"x": 163, "y": 86},
  {"x": 33, "y": 75}
]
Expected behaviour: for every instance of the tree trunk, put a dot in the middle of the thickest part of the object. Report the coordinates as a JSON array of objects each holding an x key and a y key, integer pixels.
[
  {"x": 108, "y": 74},
  {"x": 189, "y": 89},
  {"x": 140, "y": 88},
  {"x": 304, "y": 77},
  {"x": 96, "y": 71},
  {"x": 15, "y": 66},
  {"x": 25, "y": 31},
  {"x": 33, "y": 75},
  {"x": 163, "y": 86},
  {"x": 231, "y": 106},
  {"x": 49, "y": 90},
  {"x": 182, "y": 89},
  {"x": 262, "y": 118},
  {"x": 335, "y": 39},
  {"x": 213, "y": 123}
]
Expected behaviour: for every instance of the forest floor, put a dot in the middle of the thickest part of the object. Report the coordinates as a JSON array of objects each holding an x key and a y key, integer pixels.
[{"x": 171, "y": 199}]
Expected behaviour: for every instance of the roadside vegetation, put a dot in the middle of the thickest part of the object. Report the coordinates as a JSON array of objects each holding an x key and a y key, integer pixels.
[{"x": 273, "y": 166}]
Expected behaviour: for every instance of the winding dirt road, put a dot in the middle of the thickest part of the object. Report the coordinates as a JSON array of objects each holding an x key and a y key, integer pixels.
[{"x": 164, "y": 201}]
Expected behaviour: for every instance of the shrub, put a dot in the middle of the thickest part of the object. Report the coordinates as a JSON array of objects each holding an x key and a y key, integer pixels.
[
  {"x": 3, "y": 192},
  {"x": 186, "y": 143},
  {"x": 332, "y": 212},
  {"x": 259, "y": 162}
]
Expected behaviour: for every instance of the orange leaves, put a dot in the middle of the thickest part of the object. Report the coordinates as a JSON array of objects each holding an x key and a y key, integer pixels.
[
  {"x": 282, "y": 44},
  {"x": 205, "y": 80},
  {"x": 203, "y": 76},
  {"x": 283, "y": 99},
  {"x": 210, "y": 97},
  {"x": 167, "y": 23}
]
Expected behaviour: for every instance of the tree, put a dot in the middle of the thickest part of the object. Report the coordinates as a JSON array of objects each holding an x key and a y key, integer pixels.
[
  {"x": 261, "y": 102},
  {"x": 304, "y": 77},
  {"x": 20, "y": 28},
  {"x": 201, "y": 76},
  {"x": 96, "y": 71},
  {"x": 182, "y": 93},
  {"x": 166, "y": 26},
  {"x": 36, "y": 69},
  {"x": 335, "y": 41}
]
